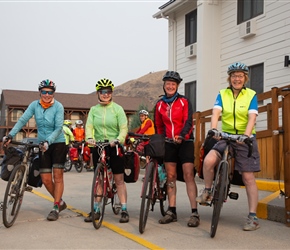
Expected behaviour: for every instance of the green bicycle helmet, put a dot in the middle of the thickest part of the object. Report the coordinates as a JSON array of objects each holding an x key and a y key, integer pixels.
[
  {"x": 238, "y": 67},
  {"x": 47, "y": 84},
  {"x": 104, "y": 83},
  {"x": 67, "y": 122}
]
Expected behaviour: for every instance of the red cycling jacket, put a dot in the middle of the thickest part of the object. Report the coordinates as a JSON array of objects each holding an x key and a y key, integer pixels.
[{"x": 174, "y": 119}]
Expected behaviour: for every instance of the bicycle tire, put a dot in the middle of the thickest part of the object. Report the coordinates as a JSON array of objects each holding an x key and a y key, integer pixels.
[
  {"x": 146, "y": 196},
  {"x": 13, "y": 196},
  {"x": 67, "y": 165},
  {"x": 79, "y": 165},
  {"x": 98, "y": 185},
  {"x": 163, "y": 201},
  {"x": 219, "y": 196},
  {"x": 115, "y": 201}
]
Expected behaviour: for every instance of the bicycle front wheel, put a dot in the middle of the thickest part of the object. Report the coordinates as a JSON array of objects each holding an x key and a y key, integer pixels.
[
  {"x": 79, "y": 166},
  {"x": 163, "y": 200},
  {"x": 218, "y": 196},
  {"x": 13, "y": 196},
  {"x": 98, "y": 197},
  {"x": 146, "y": 196},
  {"x": 115, "y": 201}
]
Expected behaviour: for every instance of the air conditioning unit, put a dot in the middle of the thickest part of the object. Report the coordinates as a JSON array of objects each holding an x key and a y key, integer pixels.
[
  {"x": 190, "y": 51},
  {"x": 247, "y": 29}
]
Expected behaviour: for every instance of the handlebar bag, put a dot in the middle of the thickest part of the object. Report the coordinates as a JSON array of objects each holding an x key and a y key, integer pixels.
[
  {"x": 13, "y": 156},
  {"x": 156, "y": 146}
]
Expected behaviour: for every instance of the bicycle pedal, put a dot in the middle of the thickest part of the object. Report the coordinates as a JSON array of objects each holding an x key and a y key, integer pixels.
[
  {"x": 233, "y": 196},
  {"x": 205, "y": 204},
  {"x": 28, "y": 189}
]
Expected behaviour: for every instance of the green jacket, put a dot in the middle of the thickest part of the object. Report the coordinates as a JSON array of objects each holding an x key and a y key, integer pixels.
[
  {"x": 107, "y": 122},
  {"x": 68, "y": 135}
]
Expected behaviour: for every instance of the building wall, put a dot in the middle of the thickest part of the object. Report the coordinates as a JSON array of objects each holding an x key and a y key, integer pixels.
[{"x": 219, "y": 44}]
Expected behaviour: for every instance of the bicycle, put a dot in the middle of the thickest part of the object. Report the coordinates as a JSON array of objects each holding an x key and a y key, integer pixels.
[
  {"x": 103, "y": 186},
  {"x": 151, "y": 189},
  {"x": 223, "y": 177},
  {"x": 18, "y": 184}
]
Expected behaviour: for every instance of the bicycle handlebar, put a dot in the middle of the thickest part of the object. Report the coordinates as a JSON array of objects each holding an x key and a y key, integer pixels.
[
  {"x": 139, "y": 136},
  {"x": 234, "y": 138}
]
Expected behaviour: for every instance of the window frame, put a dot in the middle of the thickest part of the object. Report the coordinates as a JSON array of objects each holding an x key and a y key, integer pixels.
[
  {"x": 191, "y": 27},
  {"x": 188, "y": 87},
  {"x": 245, "y": 13}
]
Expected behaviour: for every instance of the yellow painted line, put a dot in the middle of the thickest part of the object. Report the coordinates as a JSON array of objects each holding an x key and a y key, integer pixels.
[
  {"x": 268, "y": 185},
  {"x": 110, "y": 226},
  {"x": 262, "y": 209}
]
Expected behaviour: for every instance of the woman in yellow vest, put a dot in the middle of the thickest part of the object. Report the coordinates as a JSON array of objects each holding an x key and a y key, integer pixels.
[{"x": 147, "y": 125}]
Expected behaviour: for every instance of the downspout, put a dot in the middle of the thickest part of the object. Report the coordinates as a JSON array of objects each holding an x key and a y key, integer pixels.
[{"x": 173, "y": 23}]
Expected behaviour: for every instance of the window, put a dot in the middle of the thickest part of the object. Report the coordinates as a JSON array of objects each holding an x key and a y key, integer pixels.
[
  {"x": 256, "y": 75},
  {"x": 248, "y": 9},
  {"x": 190, "y": 27},
  {"x": 16, "y": 114},
  {"x": 190, "y": 93}
]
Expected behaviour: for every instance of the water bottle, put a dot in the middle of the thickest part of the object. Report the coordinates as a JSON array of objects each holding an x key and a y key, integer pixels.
[
  {"x": 110, "y": 177},
  {"x": 162, "y": 176}
]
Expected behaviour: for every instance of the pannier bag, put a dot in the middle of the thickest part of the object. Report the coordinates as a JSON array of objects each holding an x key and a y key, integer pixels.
[
  {"x": 87, "y": 153},
  {"x": 13, "y": 156},
  {"x": 156, "y": 146},
  {"x": 132, "y": 167},
  {"x": 34, "y": 178},
  {"x": 73, "y": 154}
]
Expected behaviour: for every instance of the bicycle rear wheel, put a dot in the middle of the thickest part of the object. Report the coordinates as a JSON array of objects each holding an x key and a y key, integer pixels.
[
  {"x": 13, "y": 196},
  {"x": 115, "y": 201},
  {"x": 218, "y": 196},
  {"x": 99, "y": 195},
  {"x": 146, "y": 196}
]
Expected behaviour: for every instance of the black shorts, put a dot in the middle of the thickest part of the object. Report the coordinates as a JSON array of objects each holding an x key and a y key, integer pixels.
[
  {"x": 54, "y": 157},
  {"x": 117, "y": 162},
  {"x": 182, "y": 153}
]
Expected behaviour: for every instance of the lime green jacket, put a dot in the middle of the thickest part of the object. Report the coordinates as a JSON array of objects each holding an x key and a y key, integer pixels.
[{"x": 107, "y": 122}]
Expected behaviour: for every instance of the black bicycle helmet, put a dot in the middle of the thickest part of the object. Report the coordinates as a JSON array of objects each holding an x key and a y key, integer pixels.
[
  {"x": 173, "y": 76},
  {"x": 238, "y": 67},
  {"x": 47, "y": 84}
]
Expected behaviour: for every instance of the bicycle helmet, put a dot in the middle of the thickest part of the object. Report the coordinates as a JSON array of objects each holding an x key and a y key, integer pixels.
[
  {"x": 173, "y": 76},
  {"x": 238, "y": 67},
  {"x": 143, "y": 112},
  {"x": 104, "y": 83},
  {"x": 79, "y": 122},
  {"x": 67, "y": 122},
  {"x": 47, "y": 84}
]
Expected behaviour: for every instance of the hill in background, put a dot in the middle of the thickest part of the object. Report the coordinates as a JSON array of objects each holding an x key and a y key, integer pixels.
[{"x": 148, "y": 86}]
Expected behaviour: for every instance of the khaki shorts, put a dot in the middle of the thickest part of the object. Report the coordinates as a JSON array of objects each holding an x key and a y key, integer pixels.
[{"x": 243, "y": 163}]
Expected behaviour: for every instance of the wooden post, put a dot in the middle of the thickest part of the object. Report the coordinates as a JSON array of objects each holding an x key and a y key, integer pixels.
[
  {"x": 275, "y": 126},
  {"x": 196, "y": 122},
  {"x": 286, "y": 153}
]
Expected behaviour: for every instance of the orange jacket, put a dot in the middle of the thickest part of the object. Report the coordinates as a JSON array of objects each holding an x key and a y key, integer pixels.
[{"x": 79, "y": 134}]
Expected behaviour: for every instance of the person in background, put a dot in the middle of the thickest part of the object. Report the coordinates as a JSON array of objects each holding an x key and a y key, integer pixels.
[
  {"x": 49, "y": 115},
  {"x": 147, "y": 125},
  {"x": 107, "y": 121},
  {"x": 238, "y": 107},
  {"x": 79, "y": 131},
  {"x": 68, "y": 135},
  {"x": 173, "y": 119}
]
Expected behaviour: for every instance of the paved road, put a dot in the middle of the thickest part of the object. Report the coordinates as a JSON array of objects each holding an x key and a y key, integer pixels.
[{"x": 33, "y": 231}]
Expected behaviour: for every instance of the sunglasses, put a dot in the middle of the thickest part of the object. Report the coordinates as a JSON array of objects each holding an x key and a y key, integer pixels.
[
  {"x": 44, "y": 92},
  {"x": 105, "y": 91}
]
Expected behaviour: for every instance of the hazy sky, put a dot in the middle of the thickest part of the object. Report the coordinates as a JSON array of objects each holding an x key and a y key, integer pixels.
[{"x": 75, "y": 43}]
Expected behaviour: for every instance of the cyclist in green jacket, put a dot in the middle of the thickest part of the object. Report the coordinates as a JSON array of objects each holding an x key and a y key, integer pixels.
[{"x": 107, "y": 121}]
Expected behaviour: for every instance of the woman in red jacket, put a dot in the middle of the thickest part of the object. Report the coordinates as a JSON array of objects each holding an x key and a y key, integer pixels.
[{"x": 173, "y": 119}]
